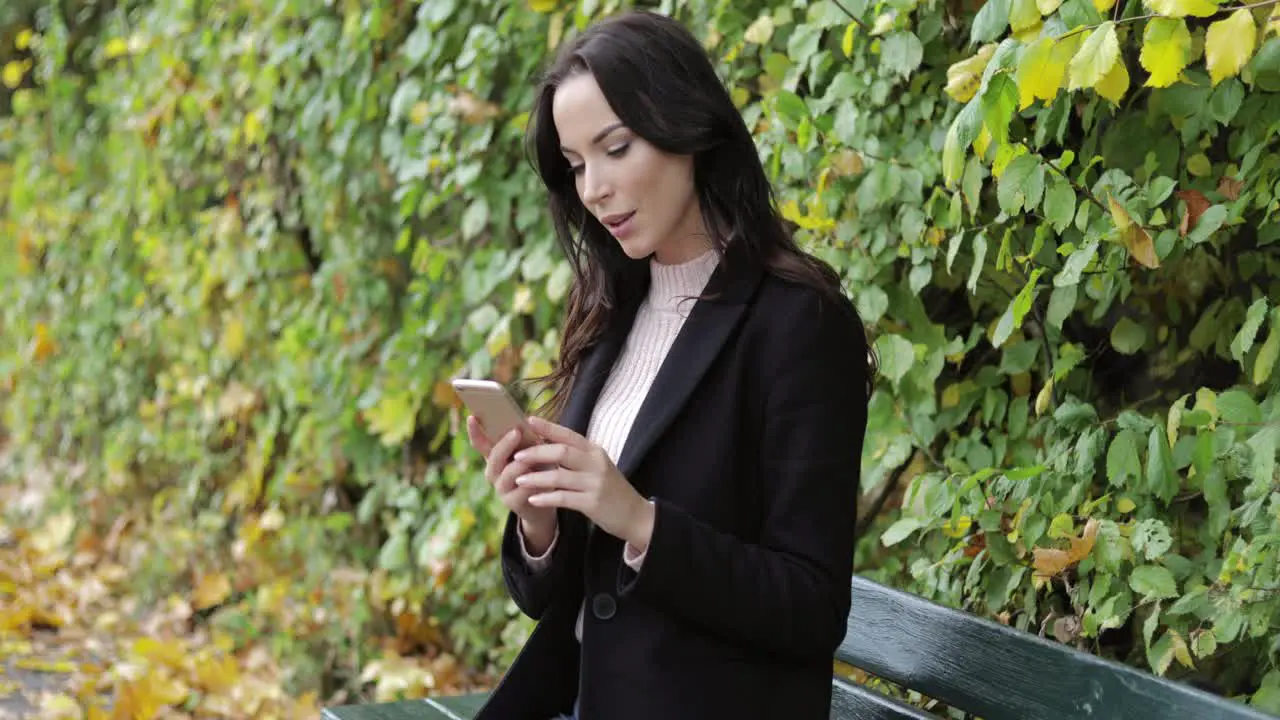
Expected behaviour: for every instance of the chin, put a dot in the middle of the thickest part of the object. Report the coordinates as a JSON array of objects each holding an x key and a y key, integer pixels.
[{"x": 636, "y": 251}]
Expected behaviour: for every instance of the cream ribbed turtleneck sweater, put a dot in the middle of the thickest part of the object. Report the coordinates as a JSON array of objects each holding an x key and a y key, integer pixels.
[{"x": 672, "y": 289}]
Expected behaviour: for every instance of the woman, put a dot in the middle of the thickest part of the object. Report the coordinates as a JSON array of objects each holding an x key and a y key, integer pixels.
[{"x": 685, "y": 534}]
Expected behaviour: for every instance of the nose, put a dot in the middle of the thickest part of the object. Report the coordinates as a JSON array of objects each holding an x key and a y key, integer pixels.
[{"x": 594, "y": 186}]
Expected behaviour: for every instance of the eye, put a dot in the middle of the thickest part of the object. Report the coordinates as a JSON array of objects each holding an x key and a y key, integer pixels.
[
  {"x": 575, "y": 170},
  {"x": 619, "y": 151}
]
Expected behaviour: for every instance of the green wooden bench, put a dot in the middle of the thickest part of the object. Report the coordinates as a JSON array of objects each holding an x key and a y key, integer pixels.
[{"x": 970, "y": 663}]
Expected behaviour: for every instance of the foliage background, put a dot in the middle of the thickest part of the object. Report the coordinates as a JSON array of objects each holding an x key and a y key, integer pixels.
[{"x": 246, "y": 245}]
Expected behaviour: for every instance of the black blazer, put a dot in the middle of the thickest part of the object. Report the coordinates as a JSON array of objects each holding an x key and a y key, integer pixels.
[{"x": 749, "y": 442}]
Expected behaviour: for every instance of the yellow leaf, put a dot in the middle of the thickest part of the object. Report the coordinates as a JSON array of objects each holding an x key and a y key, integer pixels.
[
  {"x": 760, "y": 31},
  {"x": 1166, "y": 50},
  {"x": 846, "y": 43},
  {"x": 964, "y": 77},
  {"x": 951, "y": 396},
  {"x": 253, "y": 130},
  {"x": 233, "y": 338},
  {"x": 161, "y": 652},
  {"x": 1043, "y": 68},
  {"x": 46, "y": 666},
  {"x": 1125, "y": 505},
  {"x": 1023, "y": 14},
  {"x": 419, "y": 113},
  {"x": 957, "y": 528},
  {"x": 217, "y": 675},
  {"x": 1134, "y": 237},
  {"x": 1180, "y": 649},
  {"x": 1183, "y": 8},
  {"x": 14, "y": 71},
  {"x": 543, "y": 6},
  {"x": 1044, "y": 397},
  {"x": 60, "y": 707},
  {"x": 1095, "y": 58},
  {"x": 393, "y": 418},
  {"x": 211, "y": 590},
  {"x": 1027, "y": 34},
  {"x": 23, "y": 40},
  {"x": 1104, "y": 5},
  {"x": 1115, "y": 83},
  {"x": 1047, "y": 7},
  {"x": 555, "y": 31},
  {"x": 116, "y": 47},
  {"x": 883, "y": 24},
  {"x": 1229, "y": 44}
]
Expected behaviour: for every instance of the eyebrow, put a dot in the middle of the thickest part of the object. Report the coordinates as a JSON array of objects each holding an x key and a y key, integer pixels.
[{"x": 598, "y": 136}]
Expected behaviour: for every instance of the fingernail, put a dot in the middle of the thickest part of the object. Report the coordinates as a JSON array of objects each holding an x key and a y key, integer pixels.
[{"x": 521, "y": 480}]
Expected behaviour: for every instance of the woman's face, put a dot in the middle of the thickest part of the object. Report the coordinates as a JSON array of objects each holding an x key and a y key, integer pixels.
[{"x": 642, "y": 195}]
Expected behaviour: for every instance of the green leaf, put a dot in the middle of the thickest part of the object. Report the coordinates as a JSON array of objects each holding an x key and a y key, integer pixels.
[
  {"x": 998, "y": 105},
  {"x": 394, "y": 555},
  {"x": 991, "y": 22},
  {"x": 1128, "y": 336},
  {"x": 1204, "y": 643},
  {"x": 1062, "y": 526},
  {"x": 1123, "y": 462},
  {"x": 899, "y": 531},
  {"x": 1266, "y": 66},
  {"x": 1076, "y": 264},
  {"x": 1243, "y": 341},
  {"x": 791, "y": 108},
  {"x": 1095, "y": 58},
  {"x": 1060, "y": 204},
  {"x": 475, "y": 218},
  {"x": 1235, "y": 406},
  {"x": 901, "y": 52},
  {"x": 1153, "y": 581},
  {"x": 896, "y": 354},
  {"x": 1014, "y": 186},
  {"x": 1061, "y": 303},
  {"x": 1265, "y": 361},
  {"x": 1162, "y": 481},
  {"x": 1151, "y": 538},
  {"x": 979, "y": 258}
]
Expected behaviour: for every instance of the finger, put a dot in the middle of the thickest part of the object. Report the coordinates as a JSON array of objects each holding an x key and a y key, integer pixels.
[
  {"x": 501, "y": 452},
  {"x": 558, "y": 433},
  {"x": 505, "y": 482},
  {"x": 566, "y": 456},
  {"x": 475, "y": 433},
  {"x": 553, "y": 480},
  {"x": 566, "y": 499}
]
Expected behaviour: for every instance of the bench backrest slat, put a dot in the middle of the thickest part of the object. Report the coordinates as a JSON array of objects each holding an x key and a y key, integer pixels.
[
  {"x": 1001, "y": 673},
  {"x": 850, "y": 701}
]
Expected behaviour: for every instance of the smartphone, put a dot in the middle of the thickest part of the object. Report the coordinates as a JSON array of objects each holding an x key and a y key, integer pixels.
[{"x": 496, "y": 410}]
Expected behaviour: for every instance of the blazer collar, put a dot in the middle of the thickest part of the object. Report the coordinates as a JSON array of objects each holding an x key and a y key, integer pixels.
[{"x": 705, "y": 331}]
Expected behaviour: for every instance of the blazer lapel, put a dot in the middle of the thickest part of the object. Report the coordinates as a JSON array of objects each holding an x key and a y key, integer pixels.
[{"x": 697, "y": 344}]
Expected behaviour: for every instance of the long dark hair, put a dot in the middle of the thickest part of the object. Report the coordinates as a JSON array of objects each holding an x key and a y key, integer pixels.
[{"x": 662, "y": 86}]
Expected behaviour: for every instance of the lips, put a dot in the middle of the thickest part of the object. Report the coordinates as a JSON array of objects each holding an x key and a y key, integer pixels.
[{"x": 617, "y": 219}]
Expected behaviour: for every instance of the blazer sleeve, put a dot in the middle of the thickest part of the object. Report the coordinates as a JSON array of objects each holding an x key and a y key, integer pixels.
[
  {"x": 532, "y": 585},
  {"x": 789, "y": 592}
]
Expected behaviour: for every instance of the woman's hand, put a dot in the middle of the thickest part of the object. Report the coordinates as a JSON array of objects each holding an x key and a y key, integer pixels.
[
  {"x": 538, "y": 523},
  {"x": 583, "y": 478}
]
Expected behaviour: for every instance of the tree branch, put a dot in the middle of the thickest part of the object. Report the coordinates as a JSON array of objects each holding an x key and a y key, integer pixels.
[
  {"x": 852, "y": 17},
  {"x": 1137, "y": 18},
  {"x": 887, "y": 489}
]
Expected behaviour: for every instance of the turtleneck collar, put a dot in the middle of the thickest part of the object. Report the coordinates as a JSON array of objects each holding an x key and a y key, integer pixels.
[{"x": 670, "y": 284}]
